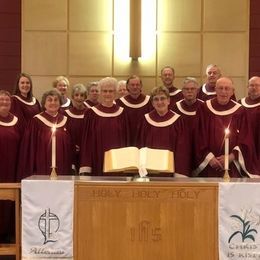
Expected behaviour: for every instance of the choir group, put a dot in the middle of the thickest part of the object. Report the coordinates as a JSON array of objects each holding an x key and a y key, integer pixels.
[{"x": 108, "y": 114}]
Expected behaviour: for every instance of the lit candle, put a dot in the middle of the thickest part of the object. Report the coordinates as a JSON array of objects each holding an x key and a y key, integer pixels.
[
  {"x": 53, "y": 147},
  {"x": 226, "y": 161}
]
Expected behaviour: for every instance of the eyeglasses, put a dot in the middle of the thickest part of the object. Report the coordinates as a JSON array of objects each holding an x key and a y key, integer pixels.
[
  {"x": 110, "y": 91},
  {"x": 254, "y": 85},
  {"x": 157, "y": 99},
  {"x": 189, "y": 89}
]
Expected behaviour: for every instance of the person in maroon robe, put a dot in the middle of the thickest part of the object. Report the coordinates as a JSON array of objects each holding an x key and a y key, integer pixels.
[
  {"x": 75, "y": 116},
  {"x": 62, "y": 84},
  {"x": 105, "y": 128},
  {"x": 36, "y": 147},
  {"x": 93, "y": 92},
  {"x": 10, "y": 137},
  {"x": 187, "y": 108},
  {"x": 167, "y": 77},
  {"x": 135, "y": 104},
  {"x": 24, "y": 104},
  {"x": 251, "y": 103},
  {"x": 257, "y": 144},
  {"x": 164, "y": 129},
  {"x": 207, "y": 90},
  {"x": 216, "y": 115}
]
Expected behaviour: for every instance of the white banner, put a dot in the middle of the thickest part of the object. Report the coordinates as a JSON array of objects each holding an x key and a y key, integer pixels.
[
  {"x": 239, "y": 221},
  {"x": 47, "y": 219}
]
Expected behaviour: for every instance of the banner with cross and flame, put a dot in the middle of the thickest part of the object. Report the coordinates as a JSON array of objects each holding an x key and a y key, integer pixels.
[
  {"x": 47, "y": 219},
  {"x": 239, "y": 221}
]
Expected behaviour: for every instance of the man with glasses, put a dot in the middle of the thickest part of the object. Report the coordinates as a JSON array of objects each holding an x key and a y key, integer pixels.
[
  {"x": 164, "y": 129},
  {"x": 187, "y": 108}
]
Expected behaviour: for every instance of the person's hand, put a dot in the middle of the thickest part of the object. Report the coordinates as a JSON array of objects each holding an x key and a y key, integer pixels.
[
  {"x": 216, "y": 164},
  {"x": 221, "y": 159}
]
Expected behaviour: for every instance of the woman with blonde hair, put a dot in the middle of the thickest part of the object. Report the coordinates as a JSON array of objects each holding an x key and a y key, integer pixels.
[{"x": 62, "y": 84}]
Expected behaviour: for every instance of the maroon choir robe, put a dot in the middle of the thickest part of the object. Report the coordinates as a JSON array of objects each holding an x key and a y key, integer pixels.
[
  {"x": 10, "y": 136},
  {"x": 75, "y": 126},
  {"x": 252, "y": 108},
  {"x": 24, "y": 109},
  {"x": 88, "y": 103},
  {"x": 135, "y": 110},
  {"x": 104, "y": 128},
  {"x": 257, "y": 144},
  {"x": 175, "y": 95},
  {"x": 209, "y": 137},
  {"x": 167, "y": 132},
  {"x": 66, "y": 105},
  {"x": 190, "y": 117},
  {"x": 205, "y": 94},
  {"x": 36, "y": 147},
  {"x": 188, "y": 112}
]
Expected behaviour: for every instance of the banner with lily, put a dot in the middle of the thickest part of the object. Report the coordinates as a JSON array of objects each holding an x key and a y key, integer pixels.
[{"x": 239, "y": 221}]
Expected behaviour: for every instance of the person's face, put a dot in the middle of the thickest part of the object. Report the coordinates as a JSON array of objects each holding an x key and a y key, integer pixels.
[
  {"x": 134, "y": 87},
  {"x": 254, "y": 88},
  {"x": 93, "y": 93},
  {"x": 79, "y": 98},
  {"x": 190, "y": 91},
  {"x": 213, "y": 74},
  {"x": 5, "y": 104},
  {"x": 224, "y": 90},
  {"x": 24, "y": 86},
  {"x": 62, "y": 87},
  {"x": 108, "y": 94},
  {"x": 167, "y": 77},
  {"x": 160, "y": 103},
  {"x": 52, "y": 104},
  {"x": 122, "y": 91}
]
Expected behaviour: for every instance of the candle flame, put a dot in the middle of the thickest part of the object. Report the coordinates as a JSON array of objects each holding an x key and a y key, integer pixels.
[{"x": 227, "y": 131}]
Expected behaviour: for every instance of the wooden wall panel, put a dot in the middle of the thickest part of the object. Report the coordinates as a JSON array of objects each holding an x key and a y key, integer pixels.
[{"x": 10, "y": 41}]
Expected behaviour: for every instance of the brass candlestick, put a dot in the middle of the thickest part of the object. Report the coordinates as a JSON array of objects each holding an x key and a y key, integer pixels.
[
  {"x": 226, "y": 176},
  {"x": 53, "y": 175}
]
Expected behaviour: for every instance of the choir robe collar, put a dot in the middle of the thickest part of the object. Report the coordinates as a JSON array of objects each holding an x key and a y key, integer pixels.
[
  {"x": 9, "y": 120},
  {"x": 103, "y": 111},
  {"x": 186, "y": 109},
  {"x": 75, "y": 113},
  {"x": 173, "y": 91},
  {"x": 153, "y": 118},
  {"x": 66, "y": 104},
  {"x": 250, "y": 103},
  {"x": 26, "y": 100},
  {"x": 88, "y": 103},
  {"x": 59, "y": 120},
  {"x": 222, "y": 110},
  {"x": 141, "y": 101},
  {"x": 205, "y": 90}
]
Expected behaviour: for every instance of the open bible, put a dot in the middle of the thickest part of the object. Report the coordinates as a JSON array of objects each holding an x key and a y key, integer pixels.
[{"x": 132, "y": 159}]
